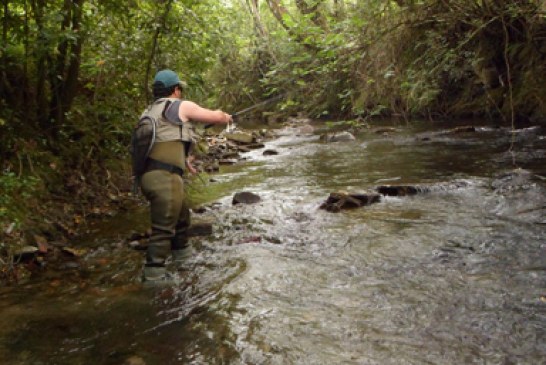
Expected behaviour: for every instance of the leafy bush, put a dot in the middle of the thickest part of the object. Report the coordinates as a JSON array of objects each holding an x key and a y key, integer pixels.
[{"x": 15, "y": 194}]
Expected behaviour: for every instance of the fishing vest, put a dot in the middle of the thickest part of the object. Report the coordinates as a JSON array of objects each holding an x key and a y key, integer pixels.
[
  {"x": 160, "y": 140},
  {"x": 169, "y": 126}
]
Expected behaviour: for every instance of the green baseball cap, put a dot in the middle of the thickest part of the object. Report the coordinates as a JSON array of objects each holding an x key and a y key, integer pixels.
[{"x": 168, "y": 78}]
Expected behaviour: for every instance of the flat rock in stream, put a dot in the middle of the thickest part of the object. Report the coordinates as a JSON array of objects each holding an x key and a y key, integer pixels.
[
  {"x": 243, "y": 149},
  {"x": 245, "y": 197},
  {"x": 212, "y": 167},
  {"x": 255, "y": 146},
  {"x": 341, "y": 200},
  {"x": 228, "y": 161},
  {"x": 240, "y": 137}
]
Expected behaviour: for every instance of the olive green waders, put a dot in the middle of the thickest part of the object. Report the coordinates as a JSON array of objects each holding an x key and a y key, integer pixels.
[{"x": 170, "y": 220}]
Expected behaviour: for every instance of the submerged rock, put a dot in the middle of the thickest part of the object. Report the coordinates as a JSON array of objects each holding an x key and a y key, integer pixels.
[
  {"x": 512, "y": 180},
  {"x": 201, "y": 229},
  {"x": 134, "y": 360},
  {"x": 270, "y": 153},
  {"x": 384, "y": 130},
  {"x": 245, "y": 197},
  {"x": 398, "y": 190},
  {"x": 342, "y": 200},
  {"x": 306, "y": 129},
  {"x": 405, "y": 190},
  {"x": 462, "y": 129},
  {"x": 519, "y": 195},
  {"x": 337, "y": 137}
]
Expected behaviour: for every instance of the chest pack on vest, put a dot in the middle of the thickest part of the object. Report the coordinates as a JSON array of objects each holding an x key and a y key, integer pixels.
[{"x": 158, "y": 123}]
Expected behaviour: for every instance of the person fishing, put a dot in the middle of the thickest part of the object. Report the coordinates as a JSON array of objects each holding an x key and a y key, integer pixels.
[{"x": 165, "y": 164}]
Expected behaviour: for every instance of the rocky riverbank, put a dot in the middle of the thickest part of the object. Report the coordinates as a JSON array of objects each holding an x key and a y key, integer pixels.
[{"x": 48, "y": 236}]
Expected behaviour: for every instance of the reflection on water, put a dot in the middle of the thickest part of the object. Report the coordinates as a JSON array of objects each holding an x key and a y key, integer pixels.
[{"x": 452, "y": 276}]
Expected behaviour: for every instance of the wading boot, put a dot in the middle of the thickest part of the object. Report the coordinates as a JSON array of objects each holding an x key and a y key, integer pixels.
[
  {"x": 156, "y": 276},
  {"x": 181, "y": 258}
]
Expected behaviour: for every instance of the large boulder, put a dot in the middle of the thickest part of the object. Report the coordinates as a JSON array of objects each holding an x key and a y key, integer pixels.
[{"x": 245, "y": 197}]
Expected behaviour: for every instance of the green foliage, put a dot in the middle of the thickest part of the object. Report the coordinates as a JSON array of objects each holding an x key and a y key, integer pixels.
[
  {"x": 15, "y": 192},
  {"x": 75, "y": 75},
  {"x": 52, "y": 128},
  {"x": 379, "y": 58},
  {"x": 112, "y": 82}
]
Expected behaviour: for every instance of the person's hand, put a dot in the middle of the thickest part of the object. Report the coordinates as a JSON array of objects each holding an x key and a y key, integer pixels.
[
  {"x": 228, "y": 118},
  {"x": 191, "y": 169}
]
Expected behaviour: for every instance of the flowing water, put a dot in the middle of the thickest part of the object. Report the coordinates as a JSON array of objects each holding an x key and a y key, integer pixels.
[{"x": 453, "y": 276}]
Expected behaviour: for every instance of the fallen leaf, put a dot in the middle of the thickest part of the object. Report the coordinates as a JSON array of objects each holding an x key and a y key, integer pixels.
[
  {"x": 55, "y": 283},
  {"x": 78, "y": 219},
  {"x": 74, "y": 251},
  {"x": 10, "y": 228},
  {"x": 42, "y": 244}
]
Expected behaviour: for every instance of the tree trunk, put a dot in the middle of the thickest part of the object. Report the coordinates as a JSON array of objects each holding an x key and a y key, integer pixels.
[
  {"x": 278, "y": 11},
  {"x": 4, "y": 85},
  {"x": 255, "y": 12},
  {"x": 155, "y": 40},
  {"x": 57, "y": 76},
  {"x": 64, "y": 81},
  {"x": 25, "y": 61},
  {"x": 73, "y": 70},
  {"x": 41, "y": 66}
]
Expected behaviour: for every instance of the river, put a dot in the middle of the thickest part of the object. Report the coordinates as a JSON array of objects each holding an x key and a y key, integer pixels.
[{"x": 456, "y": 275}]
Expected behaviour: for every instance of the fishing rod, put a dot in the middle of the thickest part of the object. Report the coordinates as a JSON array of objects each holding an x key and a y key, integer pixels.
[{"x": 250, "y": 108}]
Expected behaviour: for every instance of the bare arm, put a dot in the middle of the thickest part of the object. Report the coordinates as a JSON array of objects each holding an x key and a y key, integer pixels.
[{"x": 191, "y": 111}]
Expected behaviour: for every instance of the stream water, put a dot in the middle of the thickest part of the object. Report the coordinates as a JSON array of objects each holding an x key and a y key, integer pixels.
[{"x": 453, "y": 276}]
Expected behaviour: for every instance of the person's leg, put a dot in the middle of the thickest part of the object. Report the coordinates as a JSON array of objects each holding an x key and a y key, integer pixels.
[
  {"x": 181, "y": 249},
  {"x": 165, "y": 193}
]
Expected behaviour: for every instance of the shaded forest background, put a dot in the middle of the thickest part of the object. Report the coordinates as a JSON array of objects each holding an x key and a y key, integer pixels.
[{"x": 74, "y": 75}]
